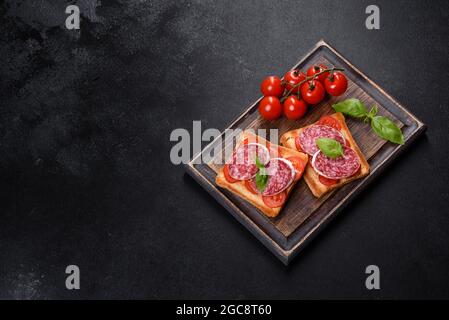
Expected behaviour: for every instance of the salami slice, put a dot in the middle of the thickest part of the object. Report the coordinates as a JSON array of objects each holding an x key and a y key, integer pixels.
[
  {"x": 281, "y": 175},
  {"x": 307, "y": 138},
  {"x": 243, "y": 161},
  {"x": 338, "y": 168}
]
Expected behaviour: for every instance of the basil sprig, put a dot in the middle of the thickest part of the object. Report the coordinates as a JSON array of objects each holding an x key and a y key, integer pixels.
[
  {"x": 330, "y": 147},
  {"x": 261, "y": 176},
  {"x": 382, "y": 126}
]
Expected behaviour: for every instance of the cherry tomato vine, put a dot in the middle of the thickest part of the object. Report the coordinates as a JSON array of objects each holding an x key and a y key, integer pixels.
[
  {"x": 312, "y": 79},
  {"x": 292, "y": 95}
]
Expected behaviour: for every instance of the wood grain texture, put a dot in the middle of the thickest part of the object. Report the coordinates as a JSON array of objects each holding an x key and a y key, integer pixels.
[{"x": 304, "y": 214}]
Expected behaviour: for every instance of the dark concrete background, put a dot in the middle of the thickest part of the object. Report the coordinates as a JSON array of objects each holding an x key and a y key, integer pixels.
[{"x": 85, "y": 176}]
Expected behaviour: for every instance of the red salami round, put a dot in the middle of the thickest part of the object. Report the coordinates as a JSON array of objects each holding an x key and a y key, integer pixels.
[
  {"x": 281, "y": 174},
  {"x": 243, "y": 161},
  {"x": 338, "y": 168},
  {"x": 307, "y": 138}
]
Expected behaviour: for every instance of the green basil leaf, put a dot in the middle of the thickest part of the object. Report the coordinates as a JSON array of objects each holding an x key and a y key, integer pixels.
[
  {"x": 330, "y": 147},
  {"x": 261, "y": 179},
  {"x": 258, "y": 163},
  {"x": 261, "y": 175},
  {"x": 387, "y": 129},
  {"x": 351, "y": 107}
]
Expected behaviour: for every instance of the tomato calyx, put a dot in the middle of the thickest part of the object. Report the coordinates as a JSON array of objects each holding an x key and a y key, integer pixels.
[{"x": 312, "y": 85}]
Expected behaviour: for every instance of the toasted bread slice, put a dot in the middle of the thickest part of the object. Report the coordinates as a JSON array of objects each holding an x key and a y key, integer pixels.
[
  {"x": 311, "y": 176},
  {"x": 239, "y": 187}
]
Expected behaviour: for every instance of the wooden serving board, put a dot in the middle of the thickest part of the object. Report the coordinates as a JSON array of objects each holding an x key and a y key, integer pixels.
[{"x": 304, "y": 215}]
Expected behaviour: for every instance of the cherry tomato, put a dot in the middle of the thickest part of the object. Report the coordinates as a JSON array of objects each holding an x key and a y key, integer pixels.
[
  {"x": 275, "y": 201},
  {"x": 336, "y": 84},
  {"x": 299, "y": 166},
  {"x": 313, "y": 70},
  {"x": 294, "y": 108},
  {"x": 270, "y": 108},
  {"x": 293, "y": 77},
  {"x": 272, "y": 86},
  {"x": 251, "y": 186},
  {"x": 328, "y": 182},
  {"x": 227, "y": 176},
  {"x": 330, "y": 122},
  {"x": 312, "y": 92}
]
